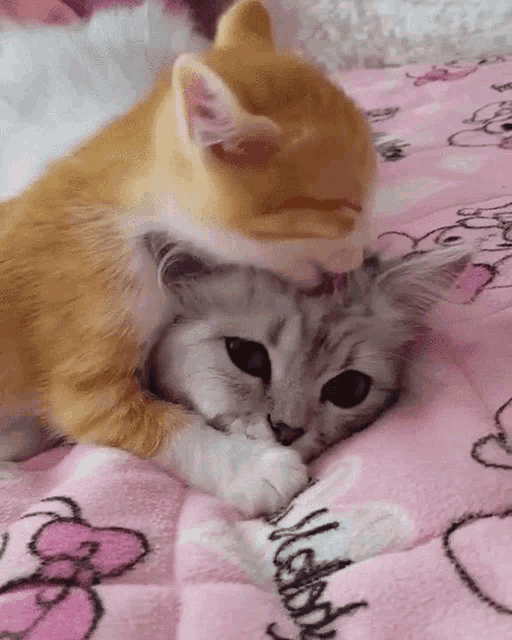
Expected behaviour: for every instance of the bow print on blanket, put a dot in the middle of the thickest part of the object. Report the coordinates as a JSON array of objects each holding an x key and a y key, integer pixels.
[{"x": 57, "y": 598}]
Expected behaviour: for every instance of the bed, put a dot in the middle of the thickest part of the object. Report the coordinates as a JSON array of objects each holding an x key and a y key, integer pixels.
[{"x": 405, "y": 530}]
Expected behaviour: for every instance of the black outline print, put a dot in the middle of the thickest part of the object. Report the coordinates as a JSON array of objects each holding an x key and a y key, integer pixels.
[
  {"x": 490, "y": 228},
  {"x": 464, "y": 575},
  {"x": 392, "y": 149},
  {"x": 494, "y": 128},
  {"x": 301, "y": 578},
  {"x": 70, "y": 585},
  {"x": 499, "y": 438},
  {"x": 491, "y": 269},
  {"x": 502, "y": 87},
  {"x": 4, "y": 543},
  {"x": 379, "y": 115}
]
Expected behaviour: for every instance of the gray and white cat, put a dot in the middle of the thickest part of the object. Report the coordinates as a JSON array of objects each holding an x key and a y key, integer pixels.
[
  {"x": 264, "y": 360},
  {"x": 274, "y": 373}
]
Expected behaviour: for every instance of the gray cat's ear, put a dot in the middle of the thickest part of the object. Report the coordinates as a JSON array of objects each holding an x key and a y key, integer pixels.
[
  {"x": 210, "y": 116},
  {"x": 354, "y": 286},
  {"x": 179, "y": 266},
  {"x": 158, "y": 244},
  {"x": 176, "y": 262},
  {"x": 406, "y": 289}
]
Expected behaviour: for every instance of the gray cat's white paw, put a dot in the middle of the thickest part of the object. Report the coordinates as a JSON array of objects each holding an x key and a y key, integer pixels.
[
  {"x": 267, "y": 481},
  {"x": 254, "y": 427}
]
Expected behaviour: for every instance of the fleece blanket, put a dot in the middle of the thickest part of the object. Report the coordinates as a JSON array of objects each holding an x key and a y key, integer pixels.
[
  {"x": 345, "y": 34},
  {"x": 405, "y": 531}
]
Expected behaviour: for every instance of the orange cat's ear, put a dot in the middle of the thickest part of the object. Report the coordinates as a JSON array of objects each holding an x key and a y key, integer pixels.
[
  {"x": 246, "y": 22},
  {"x": 210, "y": 115}
]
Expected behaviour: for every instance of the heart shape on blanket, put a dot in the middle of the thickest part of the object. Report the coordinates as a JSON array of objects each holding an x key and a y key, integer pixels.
[
  {"x": 39, "y": 611},
  {"x": 495, "y": 449},
  {"x": 480, "y": 548}
]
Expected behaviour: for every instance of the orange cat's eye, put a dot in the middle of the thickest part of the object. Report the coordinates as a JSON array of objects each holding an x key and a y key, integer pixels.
[
  {"x": 246, "y": 152},
  {"x": 306, "y": 202}
]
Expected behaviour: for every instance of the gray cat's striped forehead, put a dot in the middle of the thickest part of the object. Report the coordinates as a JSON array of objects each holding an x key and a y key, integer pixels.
[
  {"x": 235, "y": 289},
  {"x": 318, "y": 324},
  {"x": 320, "y": 319}
]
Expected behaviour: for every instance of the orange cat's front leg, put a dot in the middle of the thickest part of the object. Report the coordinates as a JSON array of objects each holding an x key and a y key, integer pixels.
[
  {"x": 88, "y": 386},
  {"x": 89, "y": 389},
  {"x": 85, "y": 324},
  {"x": 119, "y": 415}
]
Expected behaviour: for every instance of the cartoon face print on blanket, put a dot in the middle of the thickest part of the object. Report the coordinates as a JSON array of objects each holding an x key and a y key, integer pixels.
[
  {"x": 389, "y": 147},
  {"x": 50, "y": 561},
  {"x": 453, "y": 70},
  {"x": 493, "y": 127},
  {"x": 486, "y": 226}
]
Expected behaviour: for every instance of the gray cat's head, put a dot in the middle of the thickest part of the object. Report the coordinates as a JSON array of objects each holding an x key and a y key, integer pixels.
[{"x": 257, "y": 355}]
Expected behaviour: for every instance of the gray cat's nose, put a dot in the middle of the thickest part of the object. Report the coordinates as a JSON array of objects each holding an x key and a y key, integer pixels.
[{"x": 285, "y": 434}]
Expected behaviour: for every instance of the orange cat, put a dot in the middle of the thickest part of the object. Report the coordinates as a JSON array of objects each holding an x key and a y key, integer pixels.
[{"x": 241, "y": 139}]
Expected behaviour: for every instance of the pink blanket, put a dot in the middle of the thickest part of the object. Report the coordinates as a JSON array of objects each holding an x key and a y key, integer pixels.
[{"x": 406, "y": 529}]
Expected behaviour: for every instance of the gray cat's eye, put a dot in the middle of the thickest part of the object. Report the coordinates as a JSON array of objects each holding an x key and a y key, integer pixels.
[
  {"x": 250, "y": 357},
  {"x": 347, "y": 390}
]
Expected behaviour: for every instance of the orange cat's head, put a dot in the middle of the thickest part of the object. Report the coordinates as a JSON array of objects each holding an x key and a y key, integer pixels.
[{"x": 264, "y": 146}]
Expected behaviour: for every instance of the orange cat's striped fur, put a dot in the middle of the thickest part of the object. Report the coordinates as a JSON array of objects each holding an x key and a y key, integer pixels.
[{"x": 293, "y": 159}]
